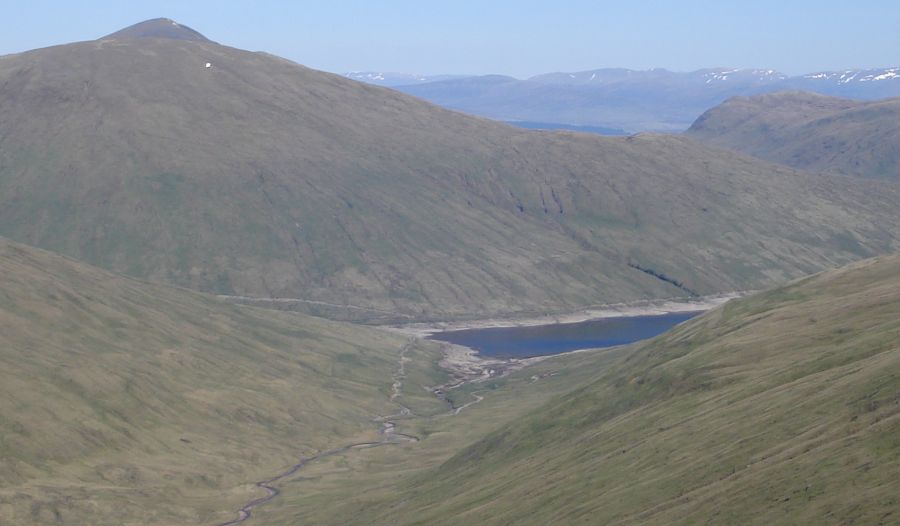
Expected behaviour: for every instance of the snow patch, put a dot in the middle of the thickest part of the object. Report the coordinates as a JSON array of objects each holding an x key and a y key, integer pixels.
[
  {"x": 720, "y": 75},
  {"x": 848, "y": 77},
  {"x": 886, "y": 74}
]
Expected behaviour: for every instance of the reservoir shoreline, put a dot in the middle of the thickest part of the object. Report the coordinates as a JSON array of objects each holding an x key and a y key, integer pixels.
[
  {"x": 467, "y": 365},
  {"x": 614, "y": 310}
]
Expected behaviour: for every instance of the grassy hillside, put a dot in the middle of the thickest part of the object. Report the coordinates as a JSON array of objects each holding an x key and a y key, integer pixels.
[
  {"x": 259, "y": 177},
  {"x": 809, "y": 131},
  {"x": 782, "y": 408},
  {"x": 123, "y": 402}
]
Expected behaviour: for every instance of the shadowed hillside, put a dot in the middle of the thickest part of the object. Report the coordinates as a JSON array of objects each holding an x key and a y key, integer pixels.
[
  {"x": 781, "y": 408},
  {"x": 809, "y": 131},
  {"x": 245, "y": 174},
  {"x": 123, "y": 402}
]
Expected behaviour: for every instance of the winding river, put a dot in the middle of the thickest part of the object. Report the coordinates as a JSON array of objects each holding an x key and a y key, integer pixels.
[{"x": 497, "y": 343}]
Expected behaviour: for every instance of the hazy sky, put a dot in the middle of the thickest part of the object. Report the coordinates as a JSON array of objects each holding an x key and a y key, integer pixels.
[{"x": 519, "y": 38}]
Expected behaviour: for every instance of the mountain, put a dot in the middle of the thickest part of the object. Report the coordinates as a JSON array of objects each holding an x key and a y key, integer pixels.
[
  {"x": 568, "y": 127},
  {"x": 873, "y": 83},
  {"x": 397, "y": 79},
  {"x": 809, "y": 131},
  {"x": 780, "y": 408},
  {"x": 157, "y": 28},
  {"x": 635, "y": 101},
  {"x": 124, "y": 402},
  {"x": 244, "y": 174},
  {"x": 710, "y": 77}
]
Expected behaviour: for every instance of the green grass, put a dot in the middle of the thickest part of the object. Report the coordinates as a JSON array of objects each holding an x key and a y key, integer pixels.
[
  {"x": 123, "y": 402},
  {"x": 346, "y": 486},
  {"x": 260, "y": 177},
  {"x": 781, "y": 408},
  {"x": 809, "y": 131}
]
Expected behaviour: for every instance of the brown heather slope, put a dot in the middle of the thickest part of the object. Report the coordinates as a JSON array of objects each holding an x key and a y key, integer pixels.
[
  {"x": 809, "y": 131},
  {"x": 259, "y": 177},
  {"x": 123, "y": 402},
  {"x": 780, "y": 408}
]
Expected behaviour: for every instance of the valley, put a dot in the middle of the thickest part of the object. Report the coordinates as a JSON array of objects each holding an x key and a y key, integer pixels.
[
  {"x": 728, "y": 365},
  {"x": 120, "y": 397},
  {"x": 664, "y": 432},
  {"x": 236, "y": 290}
]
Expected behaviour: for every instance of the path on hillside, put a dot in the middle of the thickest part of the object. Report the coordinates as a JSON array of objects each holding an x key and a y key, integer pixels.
[
  {"x": 254, "y": 300},
  {"x": 389, "y": 436}
]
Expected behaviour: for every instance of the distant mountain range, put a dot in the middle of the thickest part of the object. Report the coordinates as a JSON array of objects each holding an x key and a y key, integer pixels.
[
  {"x": 624, "y": 99},
  {"x": 397, "y": 79}
]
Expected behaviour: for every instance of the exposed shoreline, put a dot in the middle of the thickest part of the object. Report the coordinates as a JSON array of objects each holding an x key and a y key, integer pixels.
[
  {"x": 614, "y": 310},
  {"x": 466, "y": 365}
]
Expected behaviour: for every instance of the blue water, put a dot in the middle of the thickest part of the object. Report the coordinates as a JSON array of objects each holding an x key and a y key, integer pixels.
[{"x": 542, "y": 340}]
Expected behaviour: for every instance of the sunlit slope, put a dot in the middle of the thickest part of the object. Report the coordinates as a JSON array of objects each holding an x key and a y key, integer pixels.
[
  {"x": 123, "y": 402},
  {"x": 810, "y": 131},
  {"x": 783, "y": 408},
  {"x": 258, "y": 177}
]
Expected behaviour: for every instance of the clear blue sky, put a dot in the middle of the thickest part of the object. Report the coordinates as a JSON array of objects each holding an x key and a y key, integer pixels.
[{"x": 519, "y": 38}]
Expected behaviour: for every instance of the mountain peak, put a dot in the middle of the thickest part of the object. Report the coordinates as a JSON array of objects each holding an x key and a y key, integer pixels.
[{"x": 158, "y": 28}]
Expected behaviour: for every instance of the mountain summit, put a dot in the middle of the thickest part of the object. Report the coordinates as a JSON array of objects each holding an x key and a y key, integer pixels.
[
  {"x": 257, "y": 177},
  {"x": 158, "y": 28}
]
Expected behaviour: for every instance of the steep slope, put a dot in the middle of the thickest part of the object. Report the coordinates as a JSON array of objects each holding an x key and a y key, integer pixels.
[
  {"x": 782, "y": 408},
  {"x": 258, "y": 177},
  {"x": 123, "y": 402},
  {"x": 809, "y": 131}
]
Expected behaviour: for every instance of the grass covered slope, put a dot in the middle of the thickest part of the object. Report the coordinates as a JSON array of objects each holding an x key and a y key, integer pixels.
[
  {"x": 809, "y": 131},
  {"x": 123, "y": 402},
  {"x": 782, "y": 408},
  {"x": 259, "y": 177}
]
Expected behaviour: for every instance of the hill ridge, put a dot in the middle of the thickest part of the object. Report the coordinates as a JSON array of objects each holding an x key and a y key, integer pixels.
[
  {"x": 809, "y": 131},
  {"x": 254, "y": 176}
]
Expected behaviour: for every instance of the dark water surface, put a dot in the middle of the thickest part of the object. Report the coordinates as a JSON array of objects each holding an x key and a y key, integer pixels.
[{"x": 541, "y": 340}]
